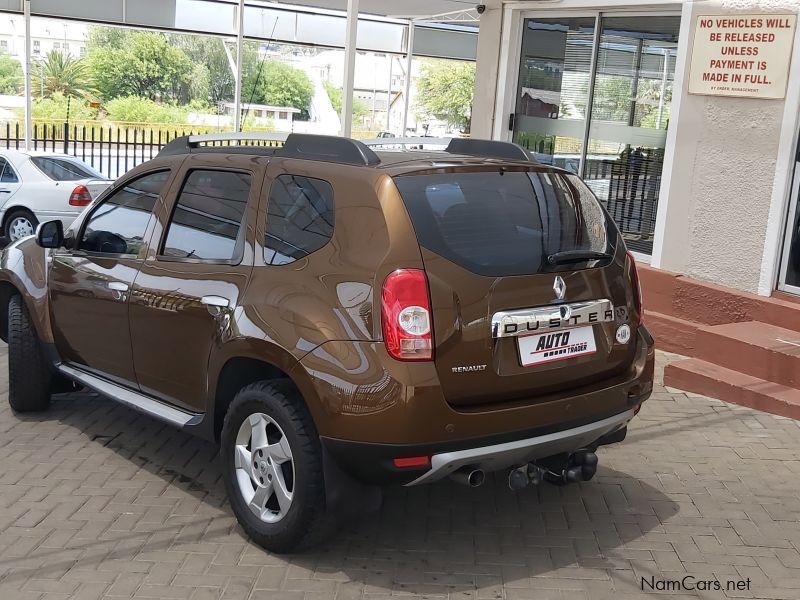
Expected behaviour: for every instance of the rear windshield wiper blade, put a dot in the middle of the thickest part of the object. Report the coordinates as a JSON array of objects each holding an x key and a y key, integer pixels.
[{"x": 570, "y": 256}]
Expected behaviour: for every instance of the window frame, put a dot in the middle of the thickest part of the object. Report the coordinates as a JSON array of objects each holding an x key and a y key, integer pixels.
[
  {"x": 238, "y": 251},
  {"x": 117, "y": 188},
  {"x": 268, "y": 199},
  {"x": 9, "y": 167}
]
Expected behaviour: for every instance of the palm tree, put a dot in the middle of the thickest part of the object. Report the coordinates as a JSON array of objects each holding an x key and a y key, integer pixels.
[{"x": 59, "y": 72}]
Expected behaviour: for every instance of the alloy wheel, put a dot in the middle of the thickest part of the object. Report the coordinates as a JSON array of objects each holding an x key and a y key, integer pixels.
[
  {"x": 20, "y": 227},
  {"x": 264, "y": 467}
]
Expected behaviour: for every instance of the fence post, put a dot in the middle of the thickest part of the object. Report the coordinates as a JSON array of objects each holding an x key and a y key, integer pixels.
[{"x": 66, "y": 138}]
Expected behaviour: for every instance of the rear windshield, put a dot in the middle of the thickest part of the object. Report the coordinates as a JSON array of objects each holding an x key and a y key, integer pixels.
[
  {"x": 62, "y": 169},
  {"x": 504, "y": 224}
]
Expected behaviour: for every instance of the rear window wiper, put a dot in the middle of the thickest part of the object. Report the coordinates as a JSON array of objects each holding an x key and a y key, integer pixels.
[{"x": 570, "y": 256}]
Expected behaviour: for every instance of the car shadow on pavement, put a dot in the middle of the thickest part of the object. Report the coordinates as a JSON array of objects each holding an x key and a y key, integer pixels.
[{"x": 435, "y": 539}]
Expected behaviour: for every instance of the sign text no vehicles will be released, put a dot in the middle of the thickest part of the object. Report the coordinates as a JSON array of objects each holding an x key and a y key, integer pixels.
[{"x": 747, "y": 55}]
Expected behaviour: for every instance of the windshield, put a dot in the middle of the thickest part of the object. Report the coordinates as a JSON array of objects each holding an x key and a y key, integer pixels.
[
  {"x": 64, "y": 169},
  {"x": 506, "y": 223}
]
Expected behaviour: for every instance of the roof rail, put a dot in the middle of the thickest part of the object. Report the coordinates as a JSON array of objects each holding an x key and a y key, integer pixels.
[
  {"x": 468, "y": 146},
  {"x": 489, "y": 148},
  {"x": 327, "y": 148},
  {"x": 407, "y": 141},
  {"x": 185, "y": 144}
]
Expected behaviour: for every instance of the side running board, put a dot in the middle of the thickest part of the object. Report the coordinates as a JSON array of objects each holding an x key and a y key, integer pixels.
[{"x": 135, "y": 400}]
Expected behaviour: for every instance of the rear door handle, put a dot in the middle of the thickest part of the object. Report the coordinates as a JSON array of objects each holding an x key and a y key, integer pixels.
[
  {"x": 217, "y": 305},
  {"x": 4, "y": 191},
  {"x": 119, "y": 290},
  {"x": 217, "y": 301},
  {"x": 118, "y": 286}
]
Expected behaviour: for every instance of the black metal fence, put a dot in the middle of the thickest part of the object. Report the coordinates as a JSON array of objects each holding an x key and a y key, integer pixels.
[{"x": 111, "y": 150}]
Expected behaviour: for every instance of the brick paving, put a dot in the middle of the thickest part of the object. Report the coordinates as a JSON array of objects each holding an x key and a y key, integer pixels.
[{"x": 97, "y": 501}]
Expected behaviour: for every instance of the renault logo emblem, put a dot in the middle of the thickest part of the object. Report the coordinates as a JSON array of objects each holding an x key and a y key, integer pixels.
[{"x": 560, "y": 288}]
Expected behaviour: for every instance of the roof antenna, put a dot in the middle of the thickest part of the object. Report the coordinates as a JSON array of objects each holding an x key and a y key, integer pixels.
[{"x": 270, "y": 40}]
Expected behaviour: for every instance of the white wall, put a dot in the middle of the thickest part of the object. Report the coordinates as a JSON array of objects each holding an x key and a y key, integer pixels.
[
  {"x": 725, "y": 179},
  {"x": 486, "y": 73}
]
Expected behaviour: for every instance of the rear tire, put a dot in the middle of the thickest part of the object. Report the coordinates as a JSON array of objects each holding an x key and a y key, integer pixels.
[
  {"x": 19, "y": 223},
  {"x": 29, "y": 375},
  {"x": 272, "y": 467}
]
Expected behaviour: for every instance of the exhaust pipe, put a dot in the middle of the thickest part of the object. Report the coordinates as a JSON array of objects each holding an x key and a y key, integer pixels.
[{"x": 469, "y": 476}]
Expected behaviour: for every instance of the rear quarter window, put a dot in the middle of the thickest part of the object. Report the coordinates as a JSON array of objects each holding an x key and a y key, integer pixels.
[
  {"x": 505, "y": 223},
  {"x": 300, "y": 218},
  {"x": 60, "y": 169}
]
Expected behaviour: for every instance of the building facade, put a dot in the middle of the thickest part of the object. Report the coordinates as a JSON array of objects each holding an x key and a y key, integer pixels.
[{"x": 688, "y": 137}]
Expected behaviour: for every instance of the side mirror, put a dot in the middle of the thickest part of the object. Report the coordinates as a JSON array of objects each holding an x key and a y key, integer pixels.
[{"x": 50, "y": 234}]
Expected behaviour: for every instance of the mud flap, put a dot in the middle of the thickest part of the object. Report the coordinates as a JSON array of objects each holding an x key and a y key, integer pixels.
[{"x": 345, "y": 496}]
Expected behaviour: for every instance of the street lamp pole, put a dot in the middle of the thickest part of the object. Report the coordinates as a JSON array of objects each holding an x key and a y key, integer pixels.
[
  {"x": 237, "y": 112},
  {"x": 350, "y": 42},
  {"x": 28, "y": 102}
]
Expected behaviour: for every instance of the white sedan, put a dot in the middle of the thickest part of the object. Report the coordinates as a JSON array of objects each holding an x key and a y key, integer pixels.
[{"x": 36, "y": 187}]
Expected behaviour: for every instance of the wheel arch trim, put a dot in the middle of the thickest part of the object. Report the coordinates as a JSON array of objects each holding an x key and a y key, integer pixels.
[{"x": 243, "y": 361}]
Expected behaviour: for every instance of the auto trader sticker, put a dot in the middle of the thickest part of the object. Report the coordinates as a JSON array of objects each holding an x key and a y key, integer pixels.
[{"x": 561, "y": 345}]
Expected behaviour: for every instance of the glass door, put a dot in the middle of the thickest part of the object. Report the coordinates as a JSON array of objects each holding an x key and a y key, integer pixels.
[
  {"x": 789, "y": 280},
  {"x": 553, "y": 91},
  {"x": 619, "y": 71}
]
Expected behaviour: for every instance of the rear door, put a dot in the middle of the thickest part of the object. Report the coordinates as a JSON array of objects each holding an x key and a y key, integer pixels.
[
  {"x": 508, "y": 323},
  {"x": 9, "y": 181},
  {"x": 187, "y": 290}
]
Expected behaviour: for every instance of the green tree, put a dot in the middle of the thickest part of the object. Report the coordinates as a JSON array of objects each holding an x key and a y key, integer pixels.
[
  {"x": 10, "y": 75},
  {"x": 445, "y": 90},
  {"x": 138, "y": 63},
  {"x": 59, "y": 73},
  {"x": 278, "y": 84},
  {"x": 360, "y": 108},
  {"x": 212, "y": 79}
]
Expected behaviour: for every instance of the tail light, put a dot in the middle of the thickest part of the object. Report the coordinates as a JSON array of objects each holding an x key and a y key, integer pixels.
[
  {"x": 406, "y": 316},
  {"x": 80, "y": 196},
  {"x": 637, "y": 287}
]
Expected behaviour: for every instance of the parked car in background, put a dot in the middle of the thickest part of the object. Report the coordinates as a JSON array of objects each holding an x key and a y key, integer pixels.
[{"x": 41, "y": 186}]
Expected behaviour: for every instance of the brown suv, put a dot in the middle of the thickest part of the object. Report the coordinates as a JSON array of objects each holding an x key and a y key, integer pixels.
[{"x": 339, "y": 318}]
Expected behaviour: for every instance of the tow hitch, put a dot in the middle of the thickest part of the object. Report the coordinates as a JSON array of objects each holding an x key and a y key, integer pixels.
[{"x": 559, "y": 470}]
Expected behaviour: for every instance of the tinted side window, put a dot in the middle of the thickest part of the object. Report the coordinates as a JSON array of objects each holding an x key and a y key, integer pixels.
[
  {"x": 59, "y": 169},
  {"x": 300, "y": 217},
  {"x": 117, "y": 225},
  {"x": 208, "y": 216},
  {"x": 7, "y": 174}
]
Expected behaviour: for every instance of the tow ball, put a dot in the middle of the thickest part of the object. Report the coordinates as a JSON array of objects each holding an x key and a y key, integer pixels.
[{"x": 580, "y": 466}]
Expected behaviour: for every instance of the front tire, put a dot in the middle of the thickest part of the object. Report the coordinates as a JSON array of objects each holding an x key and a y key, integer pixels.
[
  {"x": 272, "y": 467},
  {"x": 29, "y": 376}
]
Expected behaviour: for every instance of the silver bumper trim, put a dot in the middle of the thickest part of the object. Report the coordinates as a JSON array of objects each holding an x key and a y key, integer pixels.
[{"x": 511, "y": 454}]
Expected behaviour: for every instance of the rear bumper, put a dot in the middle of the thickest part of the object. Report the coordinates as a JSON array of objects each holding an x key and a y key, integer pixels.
[
  {"x": 373, "y": 463},
  {"x": 511, "y": 454},
  {"x": 66, "y": 217},
  {"x": 407, "y": 420}
]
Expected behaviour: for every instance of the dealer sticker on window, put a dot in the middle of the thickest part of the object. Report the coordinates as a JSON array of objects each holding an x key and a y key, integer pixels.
[{"x": 556, "y": 345}]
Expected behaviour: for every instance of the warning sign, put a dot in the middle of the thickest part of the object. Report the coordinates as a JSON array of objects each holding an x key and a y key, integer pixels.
[{"x": 742, "y": 55}]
